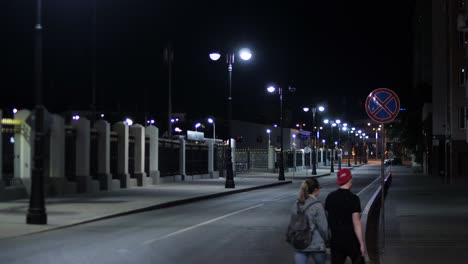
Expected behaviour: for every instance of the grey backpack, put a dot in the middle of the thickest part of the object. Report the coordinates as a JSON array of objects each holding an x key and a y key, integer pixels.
[{"x": 298, "y": 233}]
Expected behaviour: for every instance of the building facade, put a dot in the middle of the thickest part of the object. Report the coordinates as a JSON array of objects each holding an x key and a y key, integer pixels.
[{"x": 441, "y": 41}]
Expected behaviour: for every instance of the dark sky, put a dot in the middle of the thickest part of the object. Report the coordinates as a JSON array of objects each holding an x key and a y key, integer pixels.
[{"x": 334, "y": 52}]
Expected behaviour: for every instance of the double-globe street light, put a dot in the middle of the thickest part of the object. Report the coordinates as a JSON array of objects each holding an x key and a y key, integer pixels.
[
  {"x": 245, "y": 55},
  {"x": 272, "y": 89},
  {"x": 332, "y": 125},
  {"x": 314, "y": 152}
]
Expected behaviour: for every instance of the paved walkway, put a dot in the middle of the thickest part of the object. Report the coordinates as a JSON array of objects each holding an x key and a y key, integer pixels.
[{"x": 426, "y": 221}]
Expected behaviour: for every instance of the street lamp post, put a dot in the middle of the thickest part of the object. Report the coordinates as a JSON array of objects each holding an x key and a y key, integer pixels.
[
  {"x": 269, "y": 141},
  {"x": 332, "y": 124},
  {"x": 314, "y": 152},
  {"x": 244, "y": 54},
  {"x": 211, "y": 121},
  {"x": 338, "y": 123},
  {"x": 36, "y": 211},
  {"x": 272, "y": 89},
  {"x": 168, "y": 59},
  {"x": 197, "y": 125}
]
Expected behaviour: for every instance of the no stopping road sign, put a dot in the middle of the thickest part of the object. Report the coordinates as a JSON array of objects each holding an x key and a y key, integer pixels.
[{"x": 382, "y": 105}]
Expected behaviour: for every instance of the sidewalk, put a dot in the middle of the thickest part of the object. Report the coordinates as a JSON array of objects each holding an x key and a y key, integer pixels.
[
  {"x": 82, "y": 208},
  {"x": 426, "y": 221}
]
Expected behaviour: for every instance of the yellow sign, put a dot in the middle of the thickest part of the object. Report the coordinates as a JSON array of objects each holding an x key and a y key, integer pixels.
[{"x": 9, "y": 121}]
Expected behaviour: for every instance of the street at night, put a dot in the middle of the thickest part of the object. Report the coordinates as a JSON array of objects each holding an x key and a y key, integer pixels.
[
  {"x": 183, "y": 131},
  {"x": 240, "y": 228}
]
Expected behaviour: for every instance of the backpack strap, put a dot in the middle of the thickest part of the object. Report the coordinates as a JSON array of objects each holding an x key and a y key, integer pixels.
[{"x": 307, "y": 207}]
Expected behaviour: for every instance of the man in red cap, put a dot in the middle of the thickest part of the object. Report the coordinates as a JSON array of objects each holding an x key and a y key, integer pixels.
[{"x": 344, "y": 219}]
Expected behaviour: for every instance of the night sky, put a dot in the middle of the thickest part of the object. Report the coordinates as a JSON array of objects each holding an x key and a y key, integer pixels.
[{"x": 333, "y": 52}]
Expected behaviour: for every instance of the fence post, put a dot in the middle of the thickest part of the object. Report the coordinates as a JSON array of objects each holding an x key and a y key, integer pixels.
[
  {"x": 210, "y": 144},
  {"x": 182, "y": 158},
  {"x": 82, "y": 163},
  {"x": 121, "y": 129},
  {"x": 271, "y": 159},
  {"x": 58, "y": 183},
  {"x": 152, "y": 133},
  {"x": 138, "y": 131}
]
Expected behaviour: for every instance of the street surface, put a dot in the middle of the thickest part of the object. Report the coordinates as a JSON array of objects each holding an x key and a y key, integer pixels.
[{"x": 240, "y": 228}]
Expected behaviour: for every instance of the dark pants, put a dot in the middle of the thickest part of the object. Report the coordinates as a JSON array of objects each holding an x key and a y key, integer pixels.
[{"x": 340, "y": 251}]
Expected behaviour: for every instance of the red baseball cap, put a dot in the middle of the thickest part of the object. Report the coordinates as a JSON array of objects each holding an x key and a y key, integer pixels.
[{"x": 343, "y": 176}]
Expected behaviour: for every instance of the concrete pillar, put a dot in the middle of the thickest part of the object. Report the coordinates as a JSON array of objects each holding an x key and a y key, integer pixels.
[
  {"x": 210, "y": 144},
  {"x": 23, "y": 147},
  {"x": 57, "y": 147},
  {"x": 233, "y": 155},
  {"x": 182, "y": 158},
  {"x": 58, "y": 183},
  {"x": 152, "y": 133},
  {"x": 121, "y": 129},
  {"x": 271, "y": 159},
  {"x": 84, "y": 181},
  {"x": 138, "y": 132},
  {"x": 103, "y": 167}
]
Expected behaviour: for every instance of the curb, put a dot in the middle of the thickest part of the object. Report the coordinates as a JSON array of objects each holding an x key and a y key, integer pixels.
[{"x": 159, "y": 206}]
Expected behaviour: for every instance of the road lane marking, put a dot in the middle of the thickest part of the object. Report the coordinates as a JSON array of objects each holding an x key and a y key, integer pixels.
[
  {"x": 198, "y": 225},
  {"x": 372, "y": 183}
]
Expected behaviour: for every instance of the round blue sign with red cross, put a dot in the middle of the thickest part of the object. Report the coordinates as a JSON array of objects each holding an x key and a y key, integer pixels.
[{"x": 382, "y": 105}]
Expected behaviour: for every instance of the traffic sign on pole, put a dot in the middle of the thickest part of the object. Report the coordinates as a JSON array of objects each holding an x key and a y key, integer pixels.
[{"x": 382, "y": 105}]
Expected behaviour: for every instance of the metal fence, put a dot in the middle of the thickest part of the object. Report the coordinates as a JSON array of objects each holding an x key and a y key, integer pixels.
[
  {"x": 251, "y": 160},
  {"x": 169, "y": 157},
  {"x": 114, "y": 155},
  {"x": 93, "y": 162},
  {"x": 219, "y": 159},
  {"x": 307, "y": 159},
  {"x": 70, "y": 153},
  {"x": 196, "y": 158},
  {"x": 131, "y": 156}
]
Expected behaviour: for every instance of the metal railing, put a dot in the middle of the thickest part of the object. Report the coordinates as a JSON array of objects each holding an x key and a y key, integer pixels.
[
  {"x": 169, "y": 157},
  {"x": 371, "y": 219}
]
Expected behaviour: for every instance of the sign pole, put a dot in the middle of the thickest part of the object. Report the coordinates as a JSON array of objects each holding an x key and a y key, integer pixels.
[{"x": 382, "y": 184}]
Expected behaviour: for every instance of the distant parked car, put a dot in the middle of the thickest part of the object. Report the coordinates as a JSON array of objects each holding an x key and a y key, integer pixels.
[{"x": 393, "y": 161}]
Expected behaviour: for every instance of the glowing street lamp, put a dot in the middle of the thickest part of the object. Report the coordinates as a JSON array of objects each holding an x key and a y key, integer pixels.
[
  {"x": 272, "y": 89},
  {"x": 314, "y": 152},
  {"x": 245, "y": 55},
  {"x": 211, "y": 121},
  {"x": 268, "y": 132}
]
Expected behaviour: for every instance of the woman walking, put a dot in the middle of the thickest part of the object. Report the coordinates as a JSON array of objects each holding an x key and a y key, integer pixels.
[{"x": 315, "y": 212}]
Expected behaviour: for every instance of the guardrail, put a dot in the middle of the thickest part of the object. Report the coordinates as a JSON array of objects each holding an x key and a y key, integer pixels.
[{"x": 370, "y": 218}]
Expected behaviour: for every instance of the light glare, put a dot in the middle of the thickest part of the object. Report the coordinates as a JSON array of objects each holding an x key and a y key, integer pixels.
[
  {"x": 215, "y": 56},
  {"x": 245, "y": 54}
]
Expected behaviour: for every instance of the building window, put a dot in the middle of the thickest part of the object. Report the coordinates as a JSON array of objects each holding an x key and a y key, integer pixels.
[
  {"x": 463, "y": 118},
  {"x": 462, "y": 77}
]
